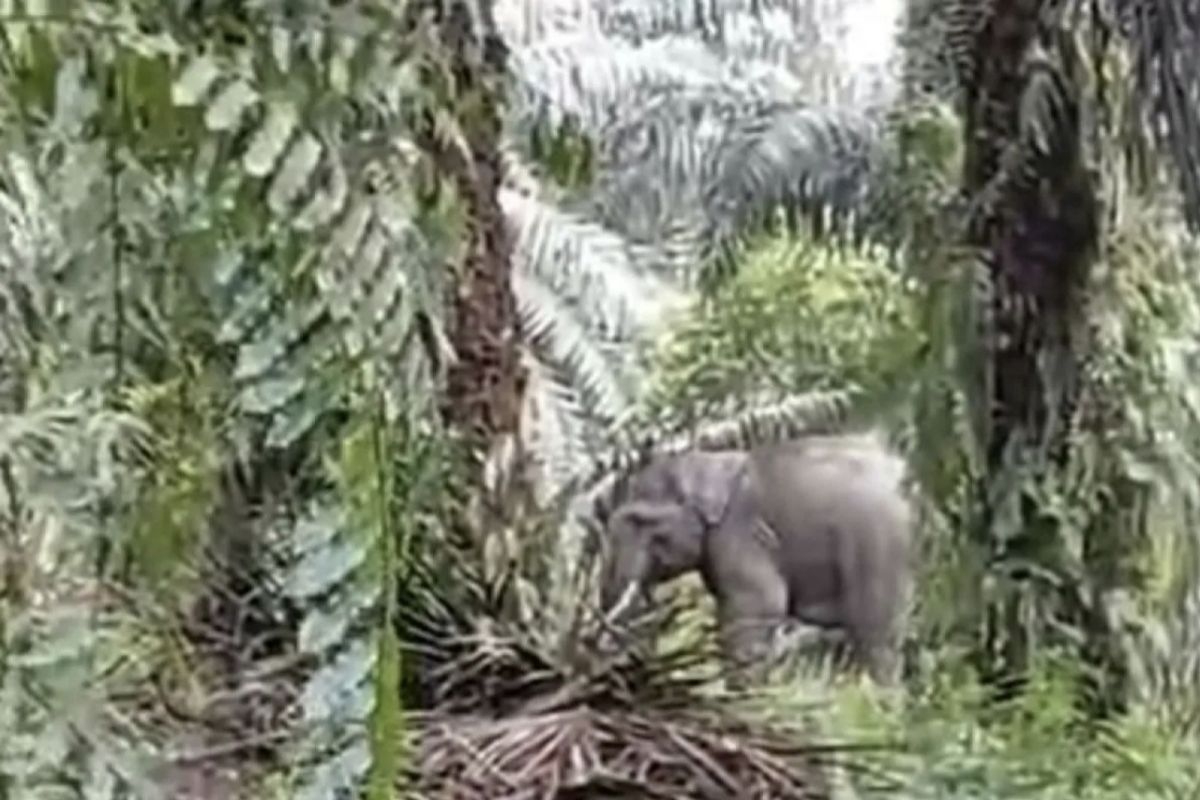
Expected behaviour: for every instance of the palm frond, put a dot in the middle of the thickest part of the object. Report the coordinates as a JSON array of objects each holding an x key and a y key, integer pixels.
[
  {"x": 588, "y": 266},
  {"x": 810, "y": 163},
  {"x": 1167, "y": 660},
  {"x": 594, "y": 80},
  {"x": 715, "y": 165},
  {"x": 1165, "y": 38},
  {"x": 553, "y": 332},
  {"x": 560, "y": 428},
  {"x": 768, "y": 423},
  {"x": 656, "y": 164},
  {"x": 582, "y": 752},
  {"x": 523, "y": 23}
]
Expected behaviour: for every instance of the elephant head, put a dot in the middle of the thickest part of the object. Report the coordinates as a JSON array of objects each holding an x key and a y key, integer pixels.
[
  {"x": 648, "y": 543},
  {"x": 656, "y": 528}
]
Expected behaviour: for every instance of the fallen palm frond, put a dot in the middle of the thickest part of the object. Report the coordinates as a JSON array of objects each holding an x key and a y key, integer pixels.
[
  {"x": 215, "y": 684},
  {"x": 586, "y": 752},
  {"x": 477, "y": 660}
]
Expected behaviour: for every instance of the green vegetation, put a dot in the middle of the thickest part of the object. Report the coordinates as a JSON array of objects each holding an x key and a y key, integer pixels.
[
  {"x": 797, "y": 318},
  {"x": 780, "y": 327},
  {"x": 285, "y": 510},
  {"x": 946, "y": 739}
]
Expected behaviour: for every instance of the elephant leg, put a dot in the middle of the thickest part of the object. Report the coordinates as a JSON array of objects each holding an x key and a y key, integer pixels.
[
  {"x": 742, "y": 569},
  {"x": 748, "y": 617},
  {"x": 878, "y": 656},
  {"x": 873, "y": 642},
  {"x": 876, "y": 612},
  {"x": 884, "y": 633}
]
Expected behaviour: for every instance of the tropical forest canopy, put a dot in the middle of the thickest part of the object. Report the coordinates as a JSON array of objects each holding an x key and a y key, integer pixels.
[{"x": 322, "y": 322}]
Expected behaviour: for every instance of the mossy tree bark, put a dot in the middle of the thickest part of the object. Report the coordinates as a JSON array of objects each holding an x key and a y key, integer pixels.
[
  {"x": 1035, "y": 219},
  {"x": 485, "y": 384}
]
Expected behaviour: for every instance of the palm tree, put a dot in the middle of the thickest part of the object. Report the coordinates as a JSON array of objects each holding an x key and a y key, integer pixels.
[
  {"x": 1047, "y": 138},
  {"x": 485, "y": 380},
  {"x": 703, "y": 121}
]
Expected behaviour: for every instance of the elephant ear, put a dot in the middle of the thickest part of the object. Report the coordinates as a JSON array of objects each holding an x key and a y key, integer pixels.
[{"x": 706, "y": 482}]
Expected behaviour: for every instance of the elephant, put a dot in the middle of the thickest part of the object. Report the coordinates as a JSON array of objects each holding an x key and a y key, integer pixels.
[{"x": 815, "y": 530}]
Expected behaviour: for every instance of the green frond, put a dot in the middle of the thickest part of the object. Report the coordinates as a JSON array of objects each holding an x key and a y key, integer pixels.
[
  {"x": 1166, "y": 97},
  {"x": 561, "y": 431},
  {"x": 559, "y": 339},
  {"x": 712, "y": 166},
  {"x": 199, "y": 230},
  {"x": 594, "y": 80},
  {"x": 55, "y": 726},
  {"x": 656, "y": 164},
  {"x": 637, "y": 20},
  {"x": 368, "y": 288},
  {"x": 522, "y": 23},
  {"x": 769, "y": 423},
  {"x": 937, "y": 43},
  {"x": 1167, "y": 660},
  {"x": 808, "y": 163},
  {"x": 587, "y": 266}
]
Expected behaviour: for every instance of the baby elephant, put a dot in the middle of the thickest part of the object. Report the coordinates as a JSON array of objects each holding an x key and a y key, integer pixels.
[{"x": 815, "y": 530}]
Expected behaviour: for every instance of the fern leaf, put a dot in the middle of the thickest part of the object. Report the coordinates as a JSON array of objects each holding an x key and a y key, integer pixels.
[
  {"x": 328, "y": 201},
  {"x": 353, "y": 226},
  {"x": 272, "y": 394},
  {"x": 339, "y": 775},
  {"x": 271, "y": 138},
  {"x": 552, "y": 330},
  {"x": 325, "y": 696},
  {"x": 298, "y": 166},
  {"x": 322, "y": 569},
  {"x": 195, "y": 81},
  {"x": 229, "y": 105},
  {"x": 327, "y": 626}
]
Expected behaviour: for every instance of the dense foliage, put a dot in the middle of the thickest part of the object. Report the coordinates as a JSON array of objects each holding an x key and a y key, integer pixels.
[
  {"x": 217, "y": 291},
  {"x": 262, "y": 265},
  {"x": 954, "y": 741},
  {"x": 797, "y": 318}
]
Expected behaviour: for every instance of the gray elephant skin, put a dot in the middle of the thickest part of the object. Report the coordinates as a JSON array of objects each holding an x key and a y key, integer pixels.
[{"x": 815, "y": 530}]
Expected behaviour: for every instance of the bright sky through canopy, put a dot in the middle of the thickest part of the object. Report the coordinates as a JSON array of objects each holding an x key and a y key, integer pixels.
[{"x": 872, "y": 30}]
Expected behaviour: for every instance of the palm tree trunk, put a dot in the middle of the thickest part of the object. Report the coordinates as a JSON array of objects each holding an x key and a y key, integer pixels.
[
  {"x": 1035, "y": 222},
  {"x": 485, "y": 384}
]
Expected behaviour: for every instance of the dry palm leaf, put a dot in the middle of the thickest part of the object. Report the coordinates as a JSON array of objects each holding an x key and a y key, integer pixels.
[{"x": 587, "y": 752}]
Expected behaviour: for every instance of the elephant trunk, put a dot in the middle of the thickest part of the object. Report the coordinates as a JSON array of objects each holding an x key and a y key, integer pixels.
[
  {"x": 624, "y": 590},
  {"x": 621, "y": 608}
]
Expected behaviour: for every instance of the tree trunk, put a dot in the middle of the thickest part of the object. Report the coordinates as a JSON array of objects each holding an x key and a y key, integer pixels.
[
  {"x": 1035, "y": 222},
  {"x": 485, "y": 385}
]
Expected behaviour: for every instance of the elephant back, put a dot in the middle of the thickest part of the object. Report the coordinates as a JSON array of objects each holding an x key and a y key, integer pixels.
[{"x": 835, "y": 483}]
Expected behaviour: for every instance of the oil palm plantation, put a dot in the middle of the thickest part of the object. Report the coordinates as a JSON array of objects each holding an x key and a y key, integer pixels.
[
  {"x": 219, "y": 379},
  {"x": 224, "y": 343},
  {"x": 662, "y": 134}
]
